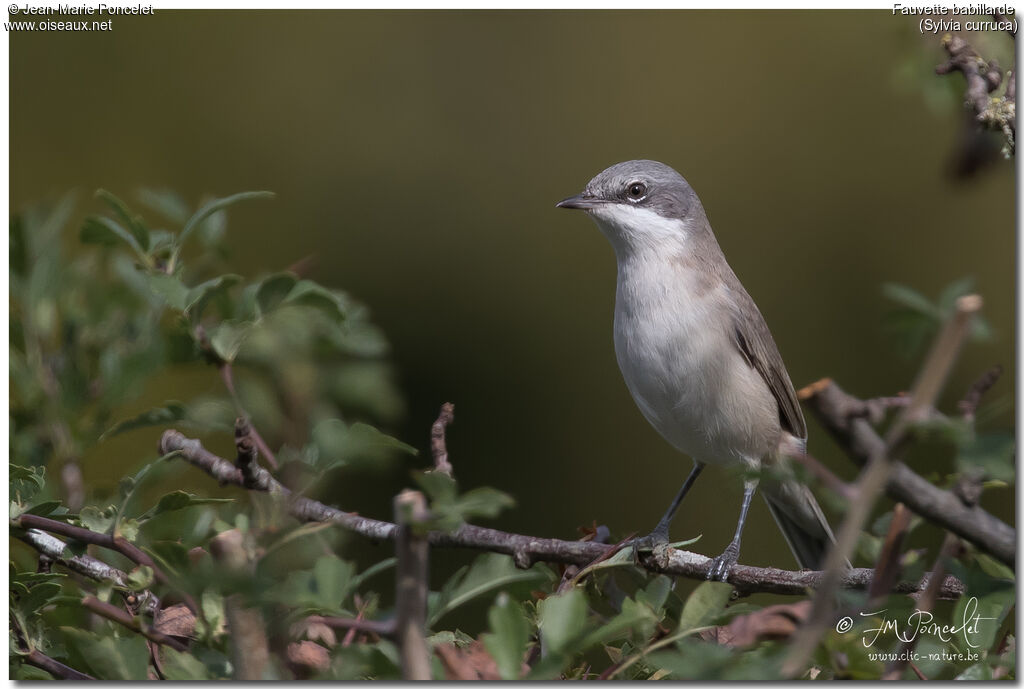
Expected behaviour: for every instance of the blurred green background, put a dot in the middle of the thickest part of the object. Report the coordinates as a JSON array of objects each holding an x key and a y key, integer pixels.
[{"x": 417, "y": 157}]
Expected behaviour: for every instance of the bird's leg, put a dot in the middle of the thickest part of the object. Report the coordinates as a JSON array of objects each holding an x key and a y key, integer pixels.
[
  {"x": 721, "y": 565},
  {"x": 659, "y": 537}
]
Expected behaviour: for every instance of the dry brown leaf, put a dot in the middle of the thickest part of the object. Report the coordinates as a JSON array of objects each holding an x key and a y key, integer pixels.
[
  {"x": 775, "y": 622},
  {"x": 471, "y": 663},
  {"x": 176, "y": 620},
  {"x": 309, "y": 654}
]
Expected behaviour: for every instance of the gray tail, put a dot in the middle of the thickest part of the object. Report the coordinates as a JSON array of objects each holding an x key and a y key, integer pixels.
[{"x": 801, "y": 521}]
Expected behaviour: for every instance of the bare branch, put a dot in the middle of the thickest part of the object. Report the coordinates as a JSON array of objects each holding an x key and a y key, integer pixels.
[
  {"x": 438, "y": 445},
  {"x": 411, "y": 584},
  {"x": 831, "y": 404},
  {"x": 983, "y": 77},
  {"x": 118, "y": 544},
  {"x": 525, "y": 550},
  {"x": 97, "y": 570}
]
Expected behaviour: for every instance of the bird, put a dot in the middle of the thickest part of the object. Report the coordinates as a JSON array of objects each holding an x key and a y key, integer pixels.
[{"x": 697, "y": 356}]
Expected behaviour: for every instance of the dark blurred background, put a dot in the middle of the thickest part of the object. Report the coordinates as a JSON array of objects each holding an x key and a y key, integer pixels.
[{"x": 417, "y": 157}]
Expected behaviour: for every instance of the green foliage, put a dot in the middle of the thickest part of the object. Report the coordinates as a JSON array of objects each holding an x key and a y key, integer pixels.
[
  {"x": 915, "y": 319},
  {"x": 90, "y": 331}
]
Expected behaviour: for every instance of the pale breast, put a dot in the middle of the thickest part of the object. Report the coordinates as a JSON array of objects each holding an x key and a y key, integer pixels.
[{"x": 677, "y": 357}]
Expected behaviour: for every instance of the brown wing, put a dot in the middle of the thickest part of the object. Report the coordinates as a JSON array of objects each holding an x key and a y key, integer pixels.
[{"x": 758, "y": 348}]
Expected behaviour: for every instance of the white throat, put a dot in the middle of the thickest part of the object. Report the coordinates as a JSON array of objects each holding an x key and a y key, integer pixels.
[{"x": 631, "y": 229}]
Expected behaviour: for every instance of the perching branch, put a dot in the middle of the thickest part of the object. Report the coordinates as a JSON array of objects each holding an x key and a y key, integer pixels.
[{"x": 526, "y": 550}]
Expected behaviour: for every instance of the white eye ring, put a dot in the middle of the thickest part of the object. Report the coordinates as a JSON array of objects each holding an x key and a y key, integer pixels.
[{"x": 636, "y": 191}]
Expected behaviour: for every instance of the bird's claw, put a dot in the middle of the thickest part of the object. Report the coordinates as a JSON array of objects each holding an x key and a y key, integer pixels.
[
  {"x": 657, "y": 544},
  {"x": 722, "y": 565}
]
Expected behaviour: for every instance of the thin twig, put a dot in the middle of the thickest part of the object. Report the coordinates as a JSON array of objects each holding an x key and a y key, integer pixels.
[
  {"x": 438, "y": 444},
  {"x": 228, "y": 376},
  {"x": 356, "y": 624},
  {"x": 887, "y": 569},
  {"x": 524, "y": 549},
  {"x": 116, "y": 614},
  {"x": 872, "y": 481},
  {"x": 826, "y": 477},
  {"x": 55, "y": 668},
  {"x": 412, "y": 550},
  {"x": 246, "y": 449},
  {"x": 968, "y": 406}
]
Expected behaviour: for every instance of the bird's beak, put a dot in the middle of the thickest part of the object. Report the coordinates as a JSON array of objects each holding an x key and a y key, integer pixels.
[{"x": 580, "y": 201}]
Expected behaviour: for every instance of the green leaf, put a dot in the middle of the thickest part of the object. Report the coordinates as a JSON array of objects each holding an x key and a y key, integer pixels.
[
  {"x": 273, "y": 290},
  {"x": 561, "y": 619},
  {"x": 179, "y": 500},
  {"x": 309, "y": 293},
  {"x": 227, "y": 337},
  {"x": 510, "y": 632},
  {"x": 911, "y": 299},
  {"x": 166, "y": 202},
  {"x": 182, "y": 666},
  {"x": 977, "y": 671},
  {"x": 95, "y": 520},
  {"x": 489, "y": 572},
  {"x": 214, "y": 613},
  {"x": 38, "y": 597},
  {"x": 101, "y": 230},
  {"x": 140, "y": 578},
  {"x": 216, "y": 205},
  {"x": 450, "y": 510},
  {"x": 706, "y": 603},
  {"x": 634, "y": 616},
  {"x": 169, "y": 288},
  {"x": 170, "y": 413},
  {"x": 655, "y": 593},
  {"x": 992, "y": 453},
  {"x": 324, "y": 588},
  {"x": 203, "y": 293},
  {"x": 108, "y": 657},
  {"x": 339, "y": 444},
  {"x": 25, "y": 482},
  {"x": 134, "y": 222}
]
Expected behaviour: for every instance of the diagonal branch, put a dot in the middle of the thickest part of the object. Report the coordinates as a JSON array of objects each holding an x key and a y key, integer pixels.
[
  {"x": 875, "y": 477},
  {"x": 838, "y": 412},
  {"x": 526, "y": 550},
  {"x": 117, "y": 544}
]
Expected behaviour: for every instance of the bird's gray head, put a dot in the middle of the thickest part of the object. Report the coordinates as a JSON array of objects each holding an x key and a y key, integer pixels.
[{"x": 640, "y": 202}]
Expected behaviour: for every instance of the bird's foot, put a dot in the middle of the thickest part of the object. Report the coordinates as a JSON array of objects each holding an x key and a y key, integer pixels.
[
  {"x": 722, "y": 565},
  {"x": 656, "y": 543}
]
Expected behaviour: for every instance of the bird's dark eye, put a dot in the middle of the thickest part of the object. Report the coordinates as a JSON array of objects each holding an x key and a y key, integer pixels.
[{"x": 636, "y": 191}]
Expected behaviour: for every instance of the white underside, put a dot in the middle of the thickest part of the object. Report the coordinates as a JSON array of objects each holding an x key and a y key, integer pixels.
[{"x": 674, "y": 344}]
